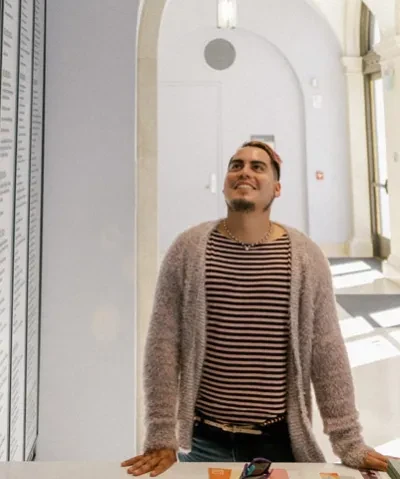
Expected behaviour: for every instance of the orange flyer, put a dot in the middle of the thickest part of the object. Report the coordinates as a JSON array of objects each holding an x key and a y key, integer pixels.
[{"x": 219, "y": 473}]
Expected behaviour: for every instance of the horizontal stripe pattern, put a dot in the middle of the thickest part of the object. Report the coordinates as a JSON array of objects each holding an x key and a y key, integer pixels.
[{"x": 245, "y": 367}]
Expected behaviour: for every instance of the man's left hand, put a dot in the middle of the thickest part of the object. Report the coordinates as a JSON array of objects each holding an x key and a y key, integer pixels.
[{"x": 375, "y": 461}]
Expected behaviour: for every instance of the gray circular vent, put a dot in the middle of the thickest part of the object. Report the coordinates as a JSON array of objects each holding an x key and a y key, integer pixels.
[{"x": 220, "y": 54}]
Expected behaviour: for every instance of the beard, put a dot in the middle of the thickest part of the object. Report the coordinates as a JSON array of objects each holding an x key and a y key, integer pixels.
[
  {"x": 241, "y": 206},
  {"x": 245, "y": 206}
]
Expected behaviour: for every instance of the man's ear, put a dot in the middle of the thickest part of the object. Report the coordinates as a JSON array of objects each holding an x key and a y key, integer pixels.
[{"x": 278, "y": 188}]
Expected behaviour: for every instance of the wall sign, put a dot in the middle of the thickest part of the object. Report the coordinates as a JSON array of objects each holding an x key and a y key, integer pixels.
[{"x": 21, "y": 161}]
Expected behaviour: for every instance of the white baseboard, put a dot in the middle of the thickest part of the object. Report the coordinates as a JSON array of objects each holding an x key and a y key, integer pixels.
[
  {"x": 391, "y": 268},
  {"x": 355, "y": 248},
  {"x": 335, "y": 250},
  {"x": 360, "y": 248}
]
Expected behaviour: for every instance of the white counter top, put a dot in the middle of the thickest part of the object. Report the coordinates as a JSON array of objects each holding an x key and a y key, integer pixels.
[{"x": 98, "y": 470}]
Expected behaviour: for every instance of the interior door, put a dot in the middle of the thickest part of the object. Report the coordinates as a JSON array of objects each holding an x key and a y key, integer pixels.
[{"x": 189, "y": 149}]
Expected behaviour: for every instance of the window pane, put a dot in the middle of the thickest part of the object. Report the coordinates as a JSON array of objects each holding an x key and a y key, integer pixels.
[
  {"x": 385, "y": 216},
  {"x": 379, "y": 108},
  {"x": 375, "y": 32}
]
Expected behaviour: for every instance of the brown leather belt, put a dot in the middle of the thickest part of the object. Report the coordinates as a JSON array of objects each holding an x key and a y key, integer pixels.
[{"x": 244, "y": 429}]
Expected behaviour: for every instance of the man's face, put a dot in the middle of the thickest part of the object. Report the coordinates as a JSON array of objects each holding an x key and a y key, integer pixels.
[{"x": 250, "y": 183}]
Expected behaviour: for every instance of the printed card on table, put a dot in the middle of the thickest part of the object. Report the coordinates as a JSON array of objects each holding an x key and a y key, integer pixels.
[
  {"x": 279, "y": 474},
  {"x": 214, "y": 473}
]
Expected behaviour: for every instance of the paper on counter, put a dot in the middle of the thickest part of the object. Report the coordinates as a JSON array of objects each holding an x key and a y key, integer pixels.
[{"x": 216, "y": 473}]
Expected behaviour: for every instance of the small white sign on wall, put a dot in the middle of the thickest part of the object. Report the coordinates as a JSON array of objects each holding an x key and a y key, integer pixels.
[{"x": 317, "y": 101}]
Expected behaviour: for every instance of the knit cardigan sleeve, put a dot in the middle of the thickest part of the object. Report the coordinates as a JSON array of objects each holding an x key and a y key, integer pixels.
[
  {"x": 161, "y": 362},
  {"x": 331, "y": 371}
]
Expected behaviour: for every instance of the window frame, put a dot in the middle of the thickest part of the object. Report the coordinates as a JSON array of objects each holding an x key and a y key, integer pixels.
[{"x": 372, "y": 71}]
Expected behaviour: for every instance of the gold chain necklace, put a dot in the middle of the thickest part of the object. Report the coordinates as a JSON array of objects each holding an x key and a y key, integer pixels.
[{"x": 247, "y": 246}]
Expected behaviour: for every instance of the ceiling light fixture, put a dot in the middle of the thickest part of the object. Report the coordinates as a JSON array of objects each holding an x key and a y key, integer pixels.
[{"x": 227, "y": 14}]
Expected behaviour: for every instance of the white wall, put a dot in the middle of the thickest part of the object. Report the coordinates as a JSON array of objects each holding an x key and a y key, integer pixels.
[
  {"x": 250, "y": 100},
  {"x": 384, "y": 10},
  {"x": 189, "y": 144},
  {"x": 88, "y": 315},
  {"x": 181, "y": 59},
  {"x": 334, "y": 13}
]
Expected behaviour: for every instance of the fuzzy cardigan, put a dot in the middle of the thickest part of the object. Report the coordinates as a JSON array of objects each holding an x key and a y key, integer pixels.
[{"x": 176, "y": 344}]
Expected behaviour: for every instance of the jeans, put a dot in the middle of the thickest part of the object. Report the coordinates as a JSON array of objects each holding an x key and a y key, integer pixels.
[{"x": 214, "y": 445}]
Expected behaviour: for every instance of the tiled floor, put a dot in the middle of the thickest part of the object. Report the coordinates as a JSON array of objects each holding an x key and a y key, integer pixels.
[
  {"x": 363, "y": 276},
  {"x": 374, "y": 351}
]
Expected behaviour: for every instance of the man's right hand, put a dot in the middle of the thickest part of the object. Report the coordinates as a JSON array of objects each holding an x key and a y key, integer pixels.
[{"x": 154, "y": 462}]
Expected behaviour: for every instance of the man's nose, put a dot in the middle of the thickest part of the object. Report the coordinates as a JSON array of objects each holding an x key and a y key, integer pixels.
[{"x": 246, "y": 170}]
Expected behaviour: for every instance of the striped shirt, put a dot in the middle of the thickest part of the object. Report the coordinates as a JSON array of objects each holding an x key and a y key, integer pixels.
[{"x": 248, "y": 292}]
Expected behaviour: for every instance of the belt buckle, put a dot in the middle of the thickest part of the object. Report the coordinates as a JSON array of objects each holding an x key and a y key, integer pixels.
[
  {"x": 232, "y": 428},
  {"x": 244, "y": 430}
]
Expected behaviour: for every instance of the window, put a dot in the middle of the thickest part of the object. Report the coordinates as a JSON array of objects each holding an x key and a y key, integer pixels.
[
  {"x": 375, "y": 34},
  {"x": 381, "y": 175},
  {"x": 379, "y": 188}
]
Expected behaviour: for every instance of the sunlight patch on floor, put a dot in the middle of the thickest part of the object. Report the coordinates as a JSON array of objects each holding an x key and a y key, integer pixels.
[{"x": 369, "y": 350}]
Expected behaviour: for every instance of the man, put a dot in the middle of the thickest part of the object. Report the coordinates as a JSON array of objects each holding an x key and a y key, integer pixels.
[{"x": 244, "y": 320}]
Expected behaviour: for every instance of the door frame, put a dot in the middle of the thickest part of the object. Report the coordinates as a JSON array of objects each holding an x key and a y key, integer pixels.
[{"x": 372, "y": 71}]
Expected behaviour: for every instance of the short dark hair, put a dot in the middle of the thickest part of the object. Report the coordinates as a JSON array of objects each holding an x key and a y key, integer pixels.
[{"x": 275, "y": 158}]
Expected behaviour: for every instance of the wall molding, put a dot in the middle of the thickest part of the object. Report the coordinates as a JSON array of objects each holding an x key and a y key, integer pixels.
[
  {"x": 361, "y": 244},
  {"x": 355, "y": 248},
  {"x": 352, "y": 39},
  {"x": 146, "y": 190}
]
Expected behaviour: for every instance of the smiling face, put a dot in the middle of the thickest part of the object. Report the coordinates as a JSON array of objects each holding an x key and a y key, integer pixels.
[{"x": 251, "y": 183}]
